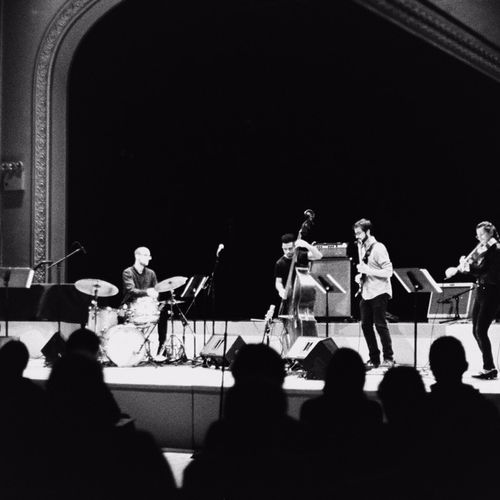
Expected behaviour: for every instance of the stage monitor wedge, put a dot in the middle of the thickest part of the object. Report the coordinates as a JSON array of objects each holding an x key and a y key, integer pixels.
[
  {"x": 213, "y": 351},
  {"x": 313, "y": 354}
]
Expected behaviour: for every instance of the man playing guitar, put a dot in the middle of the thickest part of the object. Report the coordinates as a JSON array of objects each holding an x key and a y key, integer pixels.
[{"x": 374, "y": 279}]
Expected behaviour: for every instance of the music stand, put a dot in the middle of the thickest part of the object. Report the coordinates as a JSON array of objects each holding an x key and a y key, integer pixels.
[
  {"x": 415, "y": 281},
  {"x": 328, "y": 285},
  {"x": 192, "y": 289},
  {"x": 14, "y": 277}
]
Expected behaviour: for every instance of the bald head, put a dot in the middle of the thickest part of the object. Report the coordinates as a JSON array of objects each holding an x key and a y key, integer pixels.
[
  {"x": 142, "y": 256},
  {"x": 142, "y": 251}
]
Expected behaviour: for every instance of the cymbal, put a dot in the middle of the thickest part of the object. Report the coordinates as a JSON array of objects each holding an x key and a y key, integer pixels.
[
  {"x": 90, "y": 286},
  {"x": 170, "y": 284},
  {"x": 172, "y": 302}
]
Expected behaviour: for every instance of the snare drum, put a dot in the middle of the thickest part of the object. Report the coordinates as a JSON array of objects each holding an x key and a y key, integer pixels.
[
  {"x": 124, "y": 345},
  {"x": 101, "y": 319},
  {"x": 144, "y": 310}
]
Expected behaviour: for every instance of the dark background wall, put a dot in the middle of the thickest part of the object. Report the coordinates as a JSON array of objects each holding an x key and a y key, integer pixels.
[{"x": 221, "y": 122}]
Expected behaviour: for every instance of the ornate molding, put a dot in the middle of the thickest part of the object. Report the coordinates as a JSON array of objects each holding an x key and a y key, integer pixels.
[
  {"x": 427, "y": 22},
  {"x": 67, "y": 15}
]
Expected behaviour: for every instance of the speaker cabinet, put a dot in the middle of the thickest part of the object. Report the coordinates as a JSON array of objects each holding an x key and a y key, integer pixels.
[
  {"x": 213, "y": 350},
  {"x": 455, "y": 295},
  {"x": 54, "y": 348},
  {"x": 313, "y": 354},
  {"x": 339, "y": 304}
]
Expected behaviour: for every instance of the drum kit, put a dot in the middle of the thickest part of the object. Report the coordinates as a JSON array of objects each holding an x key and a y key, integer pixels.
[{"x": 125, "y": 331}]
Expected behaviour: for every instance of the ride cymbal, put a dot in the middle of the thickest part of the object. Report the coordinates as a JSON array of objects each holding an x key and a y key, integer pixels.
[
  {"x": 93, "y": 286},
  {"x": 170, "y": 284}
]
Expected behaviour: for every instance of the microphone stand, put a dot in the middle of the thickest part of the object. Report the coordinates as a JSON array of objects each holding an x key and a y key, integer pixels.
[
  {"x": 211, "y": 294},
  {"x": 211, "y": 289},
  {"x": 57, "y": 265},
  {"x": 455, "y": 298}
]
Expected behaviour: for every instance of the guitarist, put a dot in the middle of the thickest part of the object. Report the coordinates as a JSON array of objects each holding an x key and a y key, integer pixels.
[
  {"x": 374, "y": 279},
  {"x": 282, "y": 266}
]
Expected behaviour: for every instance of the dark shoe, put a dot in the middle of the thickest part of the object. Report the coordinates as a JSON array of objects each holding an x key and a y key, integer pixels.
[
  {"x": 370, "y": 365},
  {"x": 388, "y": 363},
  {"x": 486, "y": 374}
]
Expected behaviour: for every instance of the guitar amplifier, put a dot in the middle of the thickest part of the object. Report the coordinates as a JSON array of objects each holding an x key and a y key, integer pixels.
[{"x": 332, "y": 249}]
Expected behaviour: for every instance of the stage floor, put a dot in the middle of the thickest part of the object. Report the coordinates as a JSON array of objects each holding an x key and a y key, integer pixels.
[{"x": 177, "y": 403}]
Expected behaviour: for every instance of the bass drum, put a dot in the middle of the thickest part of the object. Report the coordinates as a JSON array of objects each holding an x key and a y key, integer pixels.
[{"x": 124, "y": 345}]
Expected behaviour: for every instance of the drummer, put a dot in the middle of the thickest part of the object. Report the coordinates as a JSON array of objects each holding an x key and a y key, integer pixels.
[{"x": 140, "y": 281}]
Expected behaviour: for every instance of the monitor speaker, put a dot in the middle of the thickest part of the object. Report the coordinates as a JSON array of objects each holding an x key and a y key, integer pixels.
[
  {"x": 213, "y": 350},
  {"x": 456, "y": 301},
  {"x": 313, "y": 354},
  {"x": 339, "y": 304},
  {"x": 54, "y": 348}
]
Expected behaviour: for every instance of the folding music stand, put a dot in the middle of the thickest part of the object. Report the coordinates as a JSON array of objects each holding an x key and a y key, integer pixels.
[
  {"x": 14, "y": 277},
  {"x": 328, "y": 285},
  {"x": 415, "y": 281},
  {"x": 192, "y": 289}
]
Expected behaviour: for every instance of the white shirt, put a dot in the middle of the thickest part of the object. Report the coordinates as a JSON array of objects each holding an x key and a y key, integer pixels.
[{"x": 380, "y": 265}]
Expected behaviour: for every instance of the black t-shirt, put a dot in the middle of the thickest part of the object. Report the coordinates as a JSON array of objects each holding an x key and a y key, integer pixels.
[{"x": 282, "y": 268}]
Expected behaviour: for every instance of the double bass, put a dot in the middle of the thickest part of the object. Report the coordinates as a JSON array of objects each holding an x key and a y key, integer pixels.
[{"x": 297, "y": 309}]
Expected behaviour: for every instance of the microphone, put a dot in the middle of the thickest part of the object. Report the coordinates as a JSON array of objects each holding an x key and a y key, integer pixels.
[
  {"x": 80, "y": 247},
  {"x": 219, "y": 249}
]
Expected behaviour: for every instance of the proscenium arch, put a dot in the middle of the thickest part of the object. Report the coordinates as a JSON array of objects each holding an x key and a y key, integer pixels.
[{"x": 63, "y": 35}]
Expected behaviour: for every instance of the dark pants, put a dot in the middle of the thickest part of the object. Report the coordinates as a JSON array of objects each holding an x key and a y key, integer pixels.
[
  {"x": 373, "y": 313},
  {"x": 483, "y": 314},
  {"x": 162, "y": 327}
]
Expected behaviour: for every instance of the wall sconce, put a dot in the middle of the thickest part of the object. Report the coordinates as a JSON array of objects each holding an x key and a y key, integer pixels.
[{"x": 12, "y": 175}]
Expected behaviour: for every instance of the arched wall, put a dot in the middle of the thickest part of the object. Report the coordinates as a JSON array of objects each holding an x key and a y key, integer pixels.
[{"x": 38, "y": 45}]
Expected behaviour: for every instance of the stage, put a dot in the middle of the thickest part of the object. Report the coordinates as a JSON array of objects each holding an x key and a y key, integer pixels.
[{"x": 177, "y": 403}]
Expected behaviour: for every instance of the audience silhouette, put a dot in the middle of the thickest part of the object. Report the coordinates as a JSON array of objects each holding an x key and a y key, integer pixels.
[
  {"x": 343, "y": 424},
  {"x": 254, "y": 449},
  {"x": 23, "y": 417},
  {"x": 71, "y": 442},
  {"x": 84, "y": 341},
  {"x": 404, "y": 400},
  {"x": 465, "y": 427}
]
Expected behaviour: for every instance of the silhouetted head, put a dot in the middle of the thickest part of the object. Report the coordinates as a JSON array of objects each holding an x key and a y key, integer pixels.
[
  {"x": 255, "y": 400},
  {"x": 77, "y": 392},
  {"x": 345, "y": 373},
  {"x": 258, "y": 362},
  {"x": 401, "y": 391},
  {"x": 14, "y": 357},
  {"x": 83, "y": 341},
  {"x": 447, "y": 359}
]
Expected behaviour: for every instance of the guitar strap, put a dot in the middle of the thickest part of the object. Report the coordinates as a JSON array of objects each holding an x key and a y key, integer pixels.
[{"x": 368, "y": 252}]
